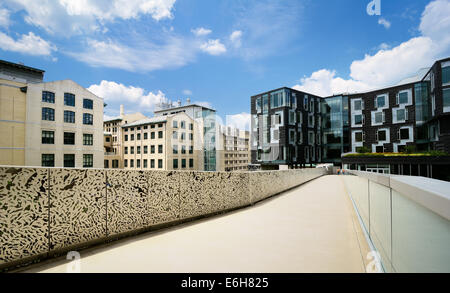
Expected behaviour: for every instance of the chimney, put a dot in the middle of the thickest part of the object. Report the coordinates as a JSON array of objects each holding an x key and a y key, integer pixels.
[
  {"x": 179, "y": 103},
  {"x": 122, "y": 111},
  {"x": 188, "y": 101}
]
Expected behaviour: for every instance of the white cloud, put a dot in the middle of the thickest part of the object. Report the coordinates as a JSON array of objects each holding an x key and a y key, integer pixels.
[
  {"x": 135, "y": 99},
  {"x": 29, "y": 44},
  {"x": 138, "y": 56},
  {"x": 213, "y": 47},
  {"x": 240, "y": 121},
  {"x": 187, "y": 92},
  {"x": 384, "y": 23},
  {"x": 201, "y": 31},
  {"x": 235, "y": 38},
  {"x": 383, "y": 46},
  {"x": 388, "y": 66},
  {"x": 4, "y": 17},
  {"x": 77, "y": 16}
]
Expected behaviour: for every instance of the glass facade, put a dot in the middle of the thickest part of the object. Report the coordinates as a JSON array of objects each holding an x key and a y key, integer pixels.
[
  {"x": 423, "y": 104},
  {"x": 335, "y": 128}
]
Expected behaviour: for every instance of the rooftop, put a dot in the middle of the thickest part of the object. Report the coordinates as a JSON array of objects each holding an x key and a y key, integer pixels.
[
  {"x": 151, "y": 120},
  {"x": 21, "y": 66},
  {"x": 181, "y": 107}
]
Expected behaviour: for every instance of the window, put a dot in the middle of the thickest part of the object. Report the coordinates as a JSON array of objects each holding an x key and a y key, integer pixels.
[
  {"x": 126, "y": 137},
  {"x": 132, "y": 137},
  {"x": 381, "y": 135},
  {"x": 88, "y": 161},
  {"x": 191, "y": 163},
  {"x": 88, "y": 139},
  {"x": 160, "y": 134},
  {"x": 401, "y": 115},
  {"x": 191, "y": 126},
  {"x": 402, "y": 98},
  {"x": 145, "y": 164},
  {"x": 69, "y": 117},
  {"x": 88, "y": 119},
  {"x": 183, "y": 163},
  {"x": 379, "y": 149},
  {"x": 132, "y": 150},
  {"x": 88, "y": 104},
  {"x": 145, "y": 135},
  {"x": 69, "y": 99},
  {"x": 380, "y": 101},
  {"x": 145, "y": 127},
  {"x": 305, "y": 102},
  {"x": 48, "y": 137},
  {"x": 69, "y": 160},
  {"x": 191, "y": 149},
  {"x": 174, "y": 135},
  {"x": 138, "y": 163},
  {"x": 359, "y": 136},
  {"x": 152, "y": 163},
  {"x": 292, "y": 117},
  {"x": 69, "y": 138},
  {"x": 152, "y": 135},
  {"x": 265, "y": 103},
  {"x": 183, "y": 149},
  {"x": 138, "y": 150},
  {"x": 258, "y": 105},
  {"x": 152, "y": 149},
  {"x": 125, "y": 163},
  {"x": 446, "y": 98},
  {"x": 379, "y": 117},
  {"x": 183, "y": 125},
  {"x": 160, "y": 163},
  {"x": 48, "y": 97},
  {"x": 445, "y": 73},
  {"x": 175, "y": 124},
  {"x": 145, "y": 149},
  {"x": 131, "y": 163},
  {"x": 126, "y": 150},
  {"x": 404, "y": 133},
  {"x": 183, "y": 136},
  {"x": 175, "y": 163},
  {"x": 358, "y": 119},
  {"x": 160, "y": 149},
  {"x": 48, "y": 160},
  {"x": 138, "y": 136},
  {"x": 48, "y": 114},
  {"x": 191, "y": 136},
  {"x": 175, "y": 149},
  {"x": 152, "y": 126},
  {"x": 357, "y": 105},
  {"x": 160, "y": 125}
]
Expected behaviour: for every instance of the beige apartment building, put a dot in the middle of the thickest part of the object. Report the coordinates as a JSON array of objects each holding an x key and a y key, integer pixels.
[
  {"x": 51, "y": 124},
  {"x": 169, "y": 142},
  {"x": 233, "y": 153},
  {"x": 113, "y": 138}
]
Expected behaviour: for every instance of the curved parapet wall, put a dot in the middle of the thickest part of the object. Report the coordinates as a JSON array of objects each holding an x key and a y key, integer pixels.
[{"x": 44, "y": 211}]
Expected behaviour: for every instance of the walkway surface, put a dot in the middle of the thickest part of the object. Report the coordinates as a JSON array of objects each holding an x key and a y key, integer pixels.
[{"x": 312, "y": 228}]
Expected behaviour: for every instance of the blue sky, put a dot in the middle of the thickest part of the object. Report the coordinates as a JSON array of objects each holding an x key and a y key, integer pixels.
[{"x": 136, "y": 52}]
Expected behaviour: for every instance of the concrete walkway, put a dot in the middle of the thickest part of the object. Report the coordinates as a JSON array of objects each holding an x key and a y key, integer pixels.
[{"x": 312, "y": 228}]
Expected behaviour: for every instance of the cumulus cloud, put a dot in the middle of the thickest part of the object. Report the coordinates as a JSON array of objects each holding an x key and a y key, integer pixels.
[
  {"x": 384, "y": 23},
  {"x": 141, "y": 56},
  {"x": 135, "y": 99},
  {"x": 235, "y": 38},
  {"x": 187, "y": 92},
  {"x": 77, "y": 16},
  {"x": 29, "y": 44},
  {"x": 4, "y": 17},
  {"x": 388, "y": 66},
  {"x": 213, "y": 47},
  {"x": 240, "y": 121},
  {"x": 201, "y": 31}
]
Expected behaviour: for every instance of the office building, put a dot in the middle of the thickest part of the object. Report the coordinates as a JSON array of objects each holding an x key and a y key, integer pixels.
[
  {"x": 51, "y": 124},
  {"x": 294, "y": 128},
  {"x": 233, "y": 151}
]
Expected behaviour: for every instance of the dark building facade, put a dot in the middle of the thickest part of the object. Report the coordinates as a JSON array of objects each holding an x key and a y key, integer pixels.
[{"x": 294, "y": 128}]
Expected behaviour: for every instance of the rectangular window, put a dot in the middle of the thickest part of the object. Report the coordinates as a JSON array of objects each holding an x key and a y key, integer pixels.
[
  {"x": 183, "y": 149},
  {"x": 48, "y": 114},
  {"x": 175, "y": 124},
  {"x": 358, "y": 120},
  {"x": 305, "y": 102},
  {"x": 88, "y": 104},
  {"x": 131, "y": 163},
  {"x": 145, "y": 149},
  {"x": 145, "y": 164},
  {"x": 138, "y": 150},
  {"x": 404, "y": 133},
  {"x": 48, "y": 160},
  {"x": 152, "y": 163},
  {"x": 358, "y": 105},
  {"x": 152, "y": 135},
  {"x": 183, "y": 163},
  {"x": 48, "y": 137},
  {"x": 69, "y": 117},
  {"x": 191, "y": 136},
  {"x": 191, "y": 163},
  {"x": 126, "y": 137},
  {"x": 191, "y": 149},
  {"x": 358, "y": 136},
  {"x": 403, "y": 98},
  {"x": 191, "y": 126},
  {"x": 69, "y": 99},
  {"x": 381, "y": 135},
  {"x": 258, "y": 105},
  {"x": 152, "y": 149},
  {"x": 175, "y": 163},
  {"x": 125, "y": 163},
  {"x": 379, "y": 117},
  {"x": 446, "y": 74},
  {"x": 183, "y": 125},
  {"x": 446, "y": 98},
  {"x": 138, "y": 136},
  {"x": 69, "y": 138},
  {"x": 88, "y": 161},
  {"x": 88, "y": 119},
  {"x": 174, "y": 135},
  {"x": 183, "y": 136},
  {"x": 132, "y": 150},
  {"x": 88, "y": 139},
  {"x": 138, "y": 163},
  {"x": 69, "y": 160},
  {"x": 126, "y": 150},
  {"x": 132, "y": 137},
  {"x": 401, "y": 116},
  {"x": 160, "y": 164},
  {"x": 145, "y": 135},
  {"x": 48, "y": 97},
  {"x": 160, "y": 134},
  {"x": 152, "y": 126},
  {"x": 265, "y": 103},
  {"x": 380, "y": 101},
  {"x": 379, "y": 149},
  {"x": 175, "y": 149},
  {"x": 160, "y": 149}
]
